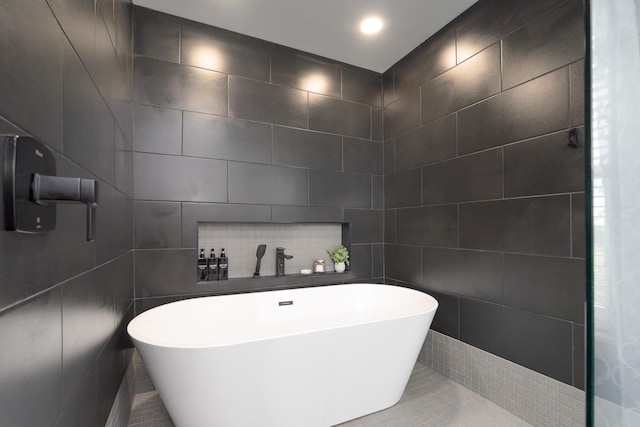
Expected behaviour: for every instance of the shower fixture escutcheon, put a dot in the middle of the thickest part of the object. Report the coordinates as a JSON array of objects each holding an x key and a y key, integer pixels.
[{"x": 32, "y": 189}]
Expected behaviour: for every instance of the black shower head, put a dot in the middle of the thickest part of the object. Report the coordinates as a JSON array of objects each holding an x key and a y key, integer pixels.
[{"x": 259, "y": 254}]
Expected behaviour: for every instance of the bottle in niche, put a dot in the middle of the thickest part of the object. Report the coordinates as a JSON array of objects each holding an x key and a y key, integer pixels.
[
  {"x": 223, "y": 266},
  {"x": 203, "y": 268},
  {"x": 213, "y": 266}
]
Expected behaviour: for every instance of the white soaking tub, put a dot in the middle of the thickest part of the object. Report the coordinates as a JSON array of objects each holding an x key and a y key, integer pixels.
[{"x": 315, "y": 356}]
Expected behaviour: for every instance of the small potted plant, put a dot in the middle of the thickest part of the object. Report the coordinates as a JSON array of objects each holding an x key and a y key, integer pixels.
[{"x": 340, "y": 257}]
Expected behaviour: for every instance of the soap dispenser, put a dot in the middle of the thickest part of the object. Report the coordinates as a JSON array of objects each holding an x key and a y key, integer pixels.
[
  {"x": 203, "y": 269},
  {"x": 213, "y": 266},
  {"x": 223, "y": 266}
]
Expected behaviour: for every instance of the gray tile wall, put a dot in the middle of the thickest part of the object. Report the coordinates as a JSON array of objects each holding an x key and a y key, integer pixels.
[
  {"x": 228, "y": 128},
  {"x": 538, "y": 399},
  {"x": 66, "y": 80},
  {"x": 484, "y": 201},
  {"x": 320, "y": 149}
]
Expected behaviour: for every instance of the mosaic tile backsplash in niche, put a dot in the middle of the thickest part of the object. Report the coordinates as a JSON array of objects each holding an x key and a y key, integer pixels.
[{"x": 305, "y": 242}]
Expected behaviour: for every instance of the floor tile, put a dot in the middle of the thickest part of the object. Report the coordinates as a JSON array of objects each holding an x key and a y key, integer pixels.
[{"x": 430, "y": 399}]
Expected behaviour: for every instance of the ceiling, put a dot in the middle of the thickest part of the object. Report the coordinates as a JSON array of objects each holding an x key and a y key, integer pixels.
[{"x": 327, "y": 28}]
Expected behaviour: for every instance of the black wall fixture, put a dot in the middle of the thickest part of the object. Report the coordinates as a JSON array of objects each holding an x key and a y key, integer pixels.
[
  {"x": 574, "y": 142},
  {"x": 30, "y": 185}
]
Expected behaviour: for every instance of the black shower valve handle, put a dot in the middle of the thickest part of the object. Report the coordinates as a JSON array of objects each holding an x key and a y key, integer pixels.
[{"x": 46, "y": 188}]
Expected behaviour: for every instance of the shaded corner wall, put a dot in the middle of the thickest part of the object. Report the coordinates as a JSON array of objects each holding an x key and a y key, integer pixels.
[
  {"x": 66, "y": 70},
  {"x": 231, "y": 128},
  {"x": 484, "y": 200}
]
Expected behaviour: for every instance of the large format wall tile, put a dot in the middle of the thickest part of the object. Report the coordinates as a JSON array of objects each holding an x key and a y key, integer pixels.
[
  {"x": 179, "y": 86},
  {"x": 403, "y": 263},
  {"x": 579, "y": 356},
  {"x": 78, "y": 19},
  {"x": 553, "y": 40},
  {"x": 475, "y": 79},
  {"x": 67, "y": 72},
  {"x": 303, "y": 71},
  {"x": 425, "y": 62},
  {"x": 529, "y": 225},
  {"x": 377, "y": 192},
  {"x": 402, "y": 115},
  {"x": 306, "y": 214},
  {"x": 563, "y": 166},
  {"x": 157, "y": 225},
  {"x": 428, "y": 226},
  {"x": 366, "y": 225},
  {"x": 478, "y": 176},
  {"x": 472, "y": 274},
  {"x": 114, "y": 224},
  {"x": 118, "y": 275},
  {"x": 262, "y": 102},
  {"x": 88, "y": 320},
  {"x": 403, "y": 189},
  {"x": 159, "y": 177},
  {"x": 270, "y": 185},
  {"x": 34, "y": 332},
  {"x": 534, "y": 108},
  {"x": 447, "y": 316},
  {"x": 337, "y": 116},
  {"x": 377, "y": 128},
  {"x": 578, "y": 226},
  {"x": 577, "y": 110},
  {"x": 349, "y": 190},
  {"x": 464, "y": 179},
  {"x": 314, "y": 150},
  {"x": 219, "y": 50},
  {"x": 31, "y": 85},
  {"x": 545, "y": 285},
  {"x": 389, "y": 226},
  {"x": 156, "y": 35},
  {"x": 540, "y": 343},
  {"x": 205, "y": 135},
  {"x": 157, "y": 130},
  {"x": 362, "y": 86},
  {"x": 165, "y": 272},
  {"x": 388, "y": 87},
  {"x": 488, "y": 21},
  {"x": 192, "y": 213},
  {"x": 362, "y": 156},
  {"x": 88, "y": 125},
  {"x": 389, "y": 157},
  {"x": 430, "y": 143},
  {"x": 361, "y": 259},
  {"x": 123, "y": 168}
]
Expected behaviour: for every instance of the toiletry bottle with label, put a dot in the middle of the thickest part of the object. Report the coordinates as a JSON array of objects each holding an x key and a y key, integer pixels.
[
  {"x": 203, "y": 268},
  {"x": 213, "y": 266},
  {"x": 223, "y": 266}
]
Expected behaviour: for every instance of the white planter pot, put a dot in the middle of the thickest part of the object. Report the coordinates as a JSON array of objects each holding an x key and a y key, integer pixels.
[{"x": 339, "y": 267}]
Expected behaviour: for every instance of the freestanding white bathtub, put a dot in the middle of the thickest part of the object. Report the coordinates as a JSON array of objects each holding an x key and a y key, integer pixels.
[{"x": 307, "y": 357}]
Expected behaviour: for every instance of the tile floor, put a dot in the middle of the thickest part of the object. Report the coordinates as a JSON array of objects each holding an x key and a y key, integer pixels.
[{"x": 429, "y": 400}]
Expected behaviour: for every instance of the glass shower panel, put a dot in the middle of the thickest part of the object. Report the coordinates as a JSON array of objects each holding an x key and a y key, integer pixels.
[{"x": 615, "y": 207}]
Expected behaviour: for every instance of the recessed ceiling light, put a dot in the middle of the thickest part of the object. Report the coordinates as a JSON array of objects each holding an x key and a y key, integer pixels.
[{"x": 371, "y": 25}]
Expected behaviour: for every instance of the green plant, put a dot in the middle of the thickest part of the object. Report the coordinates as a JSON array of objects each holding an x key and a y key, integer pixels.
[{"x": 339, "y": 254}]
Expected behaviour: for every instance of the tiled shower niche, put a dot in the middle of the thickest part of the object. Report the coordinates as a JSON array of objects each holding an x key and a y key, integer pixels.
[{"x": 305, "y": 241}]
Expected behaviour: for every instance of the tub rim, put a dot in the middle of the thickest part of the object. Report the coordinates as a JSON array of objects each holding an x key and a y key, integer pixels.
[{"x": 432, "y": 308}]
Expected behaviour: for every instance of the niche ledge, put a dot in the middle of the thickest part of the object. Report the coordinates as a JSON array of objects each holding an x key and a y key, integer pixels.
[{"x": 306, "y": 241}]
